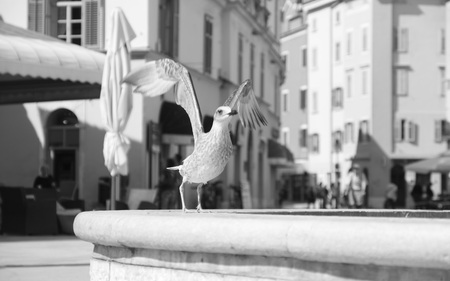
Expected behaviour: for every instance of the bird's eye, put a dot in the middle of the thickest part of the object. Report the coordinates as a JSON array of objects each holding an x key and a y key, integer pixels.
[{"x": 219, "y": 111}]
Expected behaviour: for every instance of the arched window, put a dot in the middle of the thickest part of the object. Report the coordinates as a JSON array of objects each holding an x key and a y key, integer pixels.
[{"x": 62, "y": 129}]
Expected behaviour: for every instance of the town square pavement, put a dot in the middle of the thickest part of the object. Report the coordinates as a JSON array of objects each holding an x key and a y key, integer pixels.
[{"x": 36, "y": 258}]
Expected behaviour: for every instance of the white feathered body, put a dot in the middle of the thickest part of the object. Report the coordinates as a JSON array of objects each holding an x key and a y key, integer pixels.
[{"x": 210, "y": 156}]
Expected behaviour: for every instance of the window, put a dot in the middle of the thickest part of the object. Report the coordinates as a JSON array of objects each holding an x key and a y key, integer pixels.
[
  {"x": 364, "y": 42},
  {"x": 441, "y": 41},
  {"x": 337, "y": 18},
  {"x": 303, "y": 138},
  {"x": 285, "y": 95},
  {"x": 401, "y": 40},
  {"x": 207, "y": 60},
  {"x": 78, "y": 22},
  {"x": 69, "y": 23},
  {"x": 401, "y": 76},
  {"x": 303, "y": 94},
  {"x": 441, "y": 130},
  {"x": 314, "y": 102},
  {"x": 252, "y": 62},
  {"x": 285, "y": 134},
  {"x": 63, "y": 130},
  {"x": 285, "y": 60},
  {"x": 337, "y": 141},
  {"x": 349, "y": 43},
  {"x": 412, "y": 132},
  {"x": 37, "y": 9},
  {"x": 337, "y": 55},
  {"x": 400, "y": 130},
  {"x": 337, "y": 98},
  {"x": 240, "y": 57},
  {"x": 349, "y": 83},
  {"x": 261, "y": 75},
  {"x": 363, "y": 133},
  {"x": 364, "y": 81},
  {"x": 304, "y": 56},
  {"x": 406, "y": 130},
  {"x": 314, "y": 25},
  {"x": 442, "y": 82},
  {"x": 314, "y": 58},
  {"x": 348, "y": 133},
  {"x": 276, "y": 97},
  {"x": 314, "y": 142},
  {"x": 169, "y": 26}
]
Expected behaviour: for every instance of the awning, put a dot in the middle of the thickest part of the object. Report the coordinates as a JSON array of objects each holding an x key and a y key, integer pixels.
[
  {"x": 439, "y": 164},
  {"x": 279, "y": 154},
  {"x": 26, "y": 53}
]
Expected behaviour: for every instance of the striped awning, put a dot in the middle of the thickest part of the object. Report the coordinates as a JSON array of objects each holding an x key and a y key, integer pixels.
[{"x": 25, "y": 53}]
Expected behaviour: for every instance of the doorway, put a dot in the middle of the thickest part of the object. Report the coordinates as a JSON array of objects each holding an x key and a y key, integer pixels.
[{"x": 64, "y": 171}]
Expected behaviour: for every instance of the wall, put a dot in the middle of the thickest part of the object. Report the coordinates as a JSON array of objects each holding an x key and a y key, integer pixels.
[
  {"x": 296, "y": 80},
  {"x": 319, "y": 81},
  {"x": 423, "y": 103}
]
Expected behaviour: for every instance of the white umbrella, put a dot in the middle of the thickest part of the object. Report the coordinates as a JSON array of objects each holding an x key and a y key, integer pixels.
[{"x": 116, "y": 99}]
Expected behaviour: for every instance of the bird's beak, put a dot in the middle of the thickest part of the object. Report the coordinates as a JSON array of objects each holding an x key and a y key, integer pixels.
[{"x": 233, "y": 112}]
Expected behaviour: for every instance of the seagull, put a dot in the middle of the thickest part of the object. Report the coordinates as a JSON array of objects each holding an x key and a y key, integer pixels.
[{"x": 213, "y": 149}]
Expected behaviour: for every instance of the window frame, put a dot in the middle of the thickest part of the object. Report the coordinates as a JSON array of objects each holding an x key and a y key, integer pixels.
[
  {"x": 208, "y": 44},
  {"x": 401, "y": 81}
]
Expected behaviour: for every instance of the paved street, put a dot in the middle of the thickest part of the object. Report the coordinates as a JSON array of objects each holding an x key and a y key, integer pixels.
[{"x": 44, "y": 258}]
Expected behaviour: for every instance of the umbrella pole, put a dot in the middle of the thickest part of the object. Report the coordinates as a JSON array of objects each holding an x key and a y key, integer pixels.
[{"x": 112, "y": 201}]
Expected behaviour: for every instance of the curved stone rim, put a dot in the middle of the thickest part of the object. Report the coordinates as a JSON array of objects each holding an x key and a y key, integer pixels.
[{"x": 409, "y": 242}]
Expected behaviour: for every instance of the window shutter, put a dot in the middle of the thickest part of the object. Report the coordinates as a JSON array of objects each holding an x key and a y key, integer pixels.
[
  {"x": 36, "y": 15},
  {"x": 412, "y": 132},
  {"x": 318, "y": 143},
  {"x": 398, "y": 130},
  {"x": 438, "y": 130},
  {"x": 93, "y": 24},
  {"x": 404, "y": 40}
]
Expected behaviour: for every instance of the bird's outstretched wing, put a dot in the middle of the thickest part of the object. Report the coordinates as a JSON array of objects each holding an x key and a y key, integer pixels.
[
  {"x": 157, "y": 77},
  {"x": 247, "y": 106}
]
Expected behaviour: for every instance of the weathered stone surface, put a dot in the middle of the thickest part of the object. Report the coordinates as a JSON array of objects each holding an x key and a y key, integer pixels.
[{"x": 164, "y": 245}]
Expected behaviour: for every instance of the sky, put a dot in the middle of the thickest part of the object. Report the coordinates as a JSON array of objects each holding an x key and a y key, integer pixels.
[{"x": 10, "y": 11}]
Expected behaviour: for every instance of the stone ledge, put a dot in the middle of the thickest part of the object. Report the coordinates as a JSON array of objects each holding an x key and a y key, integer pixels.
[{"x": 341, "y": 247}]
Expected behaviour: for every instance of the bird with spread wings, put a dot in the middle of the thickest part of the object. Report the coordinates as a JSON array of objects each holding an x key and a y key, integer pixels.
[{"x": 213, "y": 149}]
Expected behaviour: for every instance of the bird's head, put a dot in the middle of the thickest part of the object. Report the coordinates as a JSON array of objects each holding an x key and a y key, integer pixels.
[{"x": 224, "y": 114}]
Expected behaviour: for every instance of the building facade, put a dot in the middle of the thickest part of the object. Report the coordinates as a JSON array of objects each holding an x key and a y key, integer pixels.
[
  {"x": 376, "y": 90},
  {"x": 221, "y": 42}
]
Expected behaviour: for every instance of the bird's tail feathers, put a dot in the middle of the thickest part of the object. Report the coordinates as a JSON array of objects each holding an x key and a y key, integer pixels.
[{"x": 174, "y": 168}]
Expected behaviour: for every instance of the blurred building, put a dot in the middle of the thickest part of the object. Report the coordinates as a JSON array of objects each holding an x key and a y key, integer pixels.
[
  {"x": 221, "y": 42},
  {"x": 376, "y": 87}
]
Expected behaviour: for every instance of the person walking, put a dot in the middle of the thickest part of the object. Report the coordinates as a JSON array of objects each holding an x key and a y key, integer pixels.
[
  {"x": 310, "y": 197},
  {"x": 356, "y": 189},
  {"x": 391, "y": 196}
]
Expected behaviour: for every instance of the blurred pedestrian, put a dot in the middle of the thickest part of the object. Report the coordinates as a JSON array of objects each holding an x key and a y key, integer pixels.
[
  {"x": 324, "y": 195},
  {"x": 310, "y": 197},
  {"x": 356, "y": 188},
  {"x": 333, "y": 195},
  {"x": 416, "y": 193},
  {"x": 391, "y": 196},
  {"x": 44, "y": 180},
  {"x": 429, "y": 191},
  {"x": 168, "y": 188}
]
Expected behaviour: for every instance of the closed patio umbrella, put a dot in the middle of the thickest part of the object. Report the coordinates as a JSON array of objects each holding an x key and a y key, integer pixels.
[
  {"x": 438, "y": 164},
  {"x": 116, "y": 99}
]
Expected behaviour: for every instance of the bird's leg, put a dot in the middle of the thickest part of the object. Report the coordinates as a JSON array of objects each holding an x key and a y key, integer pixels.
[
  {"x": 182, "y": 196},
  {"x": 199, "y": 197}
]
